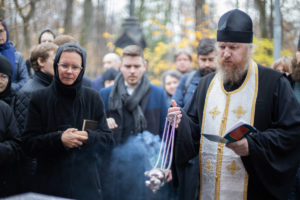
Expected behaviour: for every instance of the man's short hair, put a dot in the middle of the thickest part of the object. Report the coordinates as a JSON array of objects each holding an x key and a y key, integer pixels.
[
  {"x": 132, "y": 50},
  {"x": 41, "y": 51},
  {"x": 182, "y": 51},
  {"x": 206, "y": 46},
  {"x": 63, "y": 39}
]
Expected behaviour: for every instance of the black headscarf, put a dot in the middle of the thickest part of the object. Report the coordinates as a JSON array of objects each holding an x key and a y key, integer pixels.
[
  {"x": 6, "y": 68},
  {"x": 67, "y": 96},
  {"x": 69, "y": 90}
]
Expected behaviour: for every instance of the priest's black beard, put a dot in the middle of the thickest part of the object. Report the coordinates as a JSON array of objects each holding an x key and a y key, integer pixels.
[{"x": 232, "y": 77}]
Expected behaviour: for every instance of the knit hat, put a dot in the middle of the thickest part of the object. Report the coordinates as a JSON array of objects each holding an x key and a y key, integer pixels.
[{"x": 5, "y": 66}]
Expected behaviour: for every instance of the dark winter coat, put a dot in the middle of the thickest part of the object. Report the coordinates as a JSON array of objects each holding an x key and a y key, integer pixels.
[
  {"x": 9, "y": 151},
  {"x": 72, "y": 173},
  {"x": 39, "y": 81}
]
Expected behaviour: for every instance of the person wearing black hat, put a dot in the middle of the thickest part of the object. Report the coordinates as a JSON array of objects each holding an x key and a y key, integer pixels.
[
  {"x": 6, "y": 92},
  {"x": 69, "y": 156},
  {"x": 9, "y": 142},
  {"x": 262, "y": 165}
]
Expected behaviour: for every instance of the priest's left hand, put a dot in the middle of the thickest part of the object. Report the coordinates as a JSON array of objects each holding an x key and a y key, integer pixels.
[{"x": 240, "y": 147}]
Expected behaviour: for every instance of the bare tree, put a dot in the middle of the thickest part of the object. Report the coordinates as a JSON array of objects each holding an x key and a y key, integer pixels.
[
  {"x": 68, "y": 17},
  {"x": 101, "y": 28},
  {"x": 26, "y": 19},
  {"x": 86, "y": 21},
  {"x": 199, "y": 13},
  {"x": 2, "y": 9},
  {"x": 261, "y": 5}
]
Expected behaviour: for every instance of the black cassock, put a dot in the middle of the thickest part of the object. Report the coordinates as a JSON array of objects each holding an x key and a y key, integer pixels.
[{"x": 274, "y": 149}]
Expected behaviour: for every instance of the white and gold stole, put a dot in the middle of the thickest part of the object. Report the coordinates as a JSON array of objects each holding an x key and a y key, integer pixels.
[{"x": 222, "y": 174}]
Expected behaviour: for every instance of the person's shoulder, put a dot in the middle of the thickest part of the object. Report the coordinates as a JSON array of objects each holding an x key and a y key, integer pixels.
[
  {"x": 156, "y": 89},
  {"x": 88, "y": 91},
  {"x": 41, "y": 94},
  {"x": 106, "y": 90},
  {"x": 269, "y": 72},
  {"x": 28, "y": 86},
  {"x": 18, "y": 55},
  {"x": 207, "y": 78},
  {"x": 4, "y": 105}
]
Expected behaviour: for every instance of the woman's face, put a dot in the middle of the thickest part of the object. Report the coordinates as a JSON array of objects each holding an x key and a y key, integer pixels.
[
  {"x": 3, "y": 82},
  {"x": 69, "y": 67},
  {"x": 171, "y": 84}
]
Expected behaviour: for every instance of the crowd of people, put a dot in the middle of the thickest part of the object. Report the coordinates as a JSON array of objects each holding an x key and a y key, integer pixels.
[{"x": 58, "y": 128}]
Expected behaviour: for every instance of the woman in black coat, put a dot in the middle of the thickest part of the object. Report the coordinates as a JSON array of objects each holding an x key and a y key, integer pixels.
[
  {"x": 69, "y": 160},
  {"x": 9, "y": 152},
  {"x": 9, "y": 143}
]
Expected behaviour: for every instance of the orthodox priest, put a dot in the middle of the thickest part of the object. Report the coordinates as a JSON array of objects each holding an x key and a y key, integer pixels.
[{"x": 262, "y": 165}]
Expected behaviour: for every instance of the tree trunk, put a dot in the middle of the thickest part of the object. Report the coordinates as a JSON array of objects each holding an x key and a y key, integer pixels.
[
  {"x": 87, "y": 16},
  {"x": 68, "y": 22},
  {"x": 271, "y": 23},
  {"x": 100, "y": 41},
  {"x": 26, "y": 19},
  {"x": 261, "y": 5},
  {"x": 199, "y": 13},
  {"x": 2, "y": 9}
]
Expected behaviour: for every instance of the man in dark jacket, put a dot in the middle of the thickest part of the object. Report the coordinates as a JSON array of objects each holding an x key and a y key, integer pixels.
[
  {"x": 133, "y": 104},
  {"x": 188, "y": 82},
  {"x": 70, "y": 159},
  {"x": 41, "y": 57}
]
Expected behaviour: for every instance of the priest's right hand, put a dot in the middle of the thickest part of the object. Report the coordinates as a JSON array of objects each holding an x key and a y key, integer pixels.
[
  {"x": 72, "y": 138},
  {"x": 175, "y": 110}
]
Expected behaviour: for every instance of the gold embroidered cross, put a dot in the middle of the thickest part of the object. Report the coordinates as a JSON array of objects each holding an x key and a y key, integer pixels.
[
  {"x": 239, "y": 111},
  {"x": 214, "y": 112},
  {"x": 232, "y": 167},
  {"x": 208, "y": 166}
]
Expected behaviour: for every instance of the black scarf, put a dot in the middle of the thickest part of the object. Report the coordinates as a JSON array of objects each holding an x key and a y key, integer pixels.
[
  {"x": 119, "y": 98},
  {"x": 45, "y": 79}
]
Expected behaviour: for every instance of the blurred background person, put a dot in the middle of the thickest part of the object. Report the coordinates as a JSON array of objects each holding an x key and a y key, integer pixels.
[
  {"x": 206, "y": 53},
  {"x": 110, "y": 60},
  {"x": 7, "y": 49},
  {"x": 109, "y": 77},
  {"x": 169, "y": 81},
  {"x": 41, "y": 58},
  {"x": 46, "y": 35},
  {"x": 283, "y": 64},
  {"x": 294, "y": 78},
  {"x": 183, "y": 61}
]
